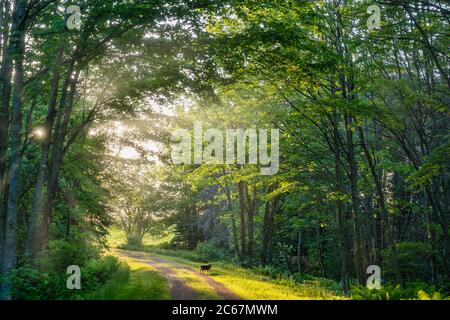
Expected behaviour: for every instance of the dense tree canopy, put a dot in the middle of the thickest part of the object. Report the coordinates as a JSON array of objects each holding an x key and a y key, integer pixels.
[{"x": 87, "y": 117}]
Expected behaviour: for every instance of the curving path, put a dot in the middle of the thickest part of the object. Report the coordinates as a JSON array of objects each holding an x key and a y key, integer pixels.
[{"x": 178, "y": 288}]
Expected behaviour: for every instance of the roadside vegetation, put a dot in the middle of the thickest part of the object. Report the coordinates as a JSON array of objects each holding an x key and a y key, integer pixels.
[
  {"x": 261, "y": 283},
  {"x": 138, "y": 281},
  {"x": 288, "y": 143}
]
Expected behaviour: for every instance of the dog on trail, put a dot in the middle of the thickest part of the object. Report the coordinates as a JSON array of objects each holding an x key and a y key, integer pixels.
[{"x": 205, "y": 268}]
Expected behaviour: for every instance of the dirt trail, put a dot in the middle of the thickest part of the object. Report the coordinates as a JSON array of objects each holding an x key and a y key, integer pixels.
[{"x": 178, "y": 288}]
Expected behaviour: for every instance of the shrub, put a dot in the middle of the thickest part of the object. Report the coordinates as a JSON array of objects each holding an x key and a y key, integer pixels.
[
  {"x": 271, "y": 271},
  {"x": 210, "y": 251},
  {"x": 412, "y": 260},
  {"x": 97, "y": 272},
  {"x": 134, "y": 240},
  {"x": 114, "y": 283},
  {"x": 62, "y": 253},
  {"x": 416, "y": 290},
  {"x": 32, "y": 284}
]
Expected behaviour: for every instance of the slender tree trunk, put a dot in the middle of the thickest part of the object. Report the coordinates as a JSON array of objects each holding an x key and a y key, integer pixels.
[
  {"x": 267, "y": 230},
  {"x": 319, "y": 241},
  {"x": 251, "y": 208},
  {"x": 360, "y": 259},
  {"x": 242, "y": 228},
  {"x": 45, "y": 149},
  {"x": 57, "y": 152},
  {"x": 382, "y": 203},
  {"x": 18, "y": 48},
  {"x": 299, "y": 252},
  {"x": 341, "y": 215},
  {"x": 5, "y": 94},
  {"x": 233, "y": 222}
]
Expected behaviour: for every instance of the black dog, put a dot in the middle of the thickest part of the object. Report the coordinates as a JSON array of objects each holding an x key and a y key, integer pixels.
[{"x": 205, "y": 268}]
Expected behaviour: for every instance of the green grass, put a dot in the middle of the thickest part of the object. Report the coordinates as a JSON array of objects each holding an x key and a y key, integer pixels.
[
  {"x": 251, "y": 286},
  {"x": 204, "y": 291},
  {"x": 138, "y": 282},
  {"x": 117, "y": 238},
  {"x": 244, "y": 282}
]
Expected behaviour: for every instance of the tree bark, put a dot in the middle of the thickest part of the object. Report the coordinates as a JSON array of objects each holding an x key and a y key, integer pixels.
[
  {"x": 45, "y": 149},
  {"x": 237, "y": 252},
  {"x": 267, "y": 230},
  {"x": 382, "y": 203},
  {"x": 251, "y": 209},
  {"x": 5, "y": 94},
  {"x": 17, "y": 50},
  {"x": 299, "y": 252},
  {"x": 56, "y": 159},
  {"x": 341, "y": 215},
  {"x": 360, "y": 259},
  {"x": 242, "y": 227}
]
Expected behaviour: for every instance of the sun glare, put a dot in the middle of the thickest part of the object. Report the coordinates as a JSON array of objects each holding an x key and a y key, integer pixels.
[
  {"x": 39, "y": 133},
  {"x": 128, "y": 153}
]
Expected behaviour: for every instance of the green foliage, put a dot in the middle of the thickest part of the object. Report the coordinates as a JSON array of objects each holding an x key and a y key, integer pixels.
[
  {"x": 97, "y": 273},
  {"x": 113, "y": 285},
  {"x": 417, "y": 290},
  {"x": 62, "y": 253},
  {"x": 364, "y": 142},
  {"x": 210, "y": 251},
  {"x": 412, "y": 257},
  {"x": 31, "y": 283},
  {"x": 48, "y": 279},
  {"x": 134, "y": 240}
]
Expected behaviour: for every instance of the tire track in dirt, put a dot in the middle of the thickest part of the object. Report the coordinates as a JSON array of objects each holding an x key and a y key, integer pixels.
[
  {"x": 218, "y": 287},
  {"x": 178, "y": 288}
]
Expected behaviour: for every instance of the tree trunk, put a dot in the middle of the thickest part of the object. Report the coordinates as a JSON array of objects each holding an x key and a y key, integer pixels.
[
  {"x": 382, "y": 203},
  {"x": 45, "y": 149},
  {"x": 10, "y": 244},
  {"x": 267, "y": 230},
  {"x": 5, "y": 92},
  {"x": 242, "y": 226},
  {"x": 340, "y": 208},
  {"x": 319, "y": 241},
  {"x": 251, "y": 208},
  {"x": 360, "y": 259},
  {"x": 237, "y": 252},
  {"x": 57, "y": 149},
  {"x": 299, "y": 252}
]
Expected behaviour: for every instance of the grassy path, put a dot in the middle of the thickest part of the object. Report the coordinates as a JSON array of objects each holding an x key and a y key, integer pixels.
[
  {"x": 141, "y": 283},
  {"x": 185, "y": 282},
  {"x": 226, "y": 281}
]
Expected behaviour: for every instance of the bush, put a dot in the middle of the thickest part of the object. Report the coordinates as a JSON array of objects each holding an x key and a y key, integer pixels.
[
  {"x": 417, "y": 290},
  {"x": 30, "y": 283},
  {"x": 412, "y": 260},
  {"x": 134, "y": 240},
  {"x": 97, "y": 272},
  {"x": 112, "y": 284},
  {"x": 210, "y": 251},
  {"x": 62, "y": 253},
  {"x": 270, "y": 270}
]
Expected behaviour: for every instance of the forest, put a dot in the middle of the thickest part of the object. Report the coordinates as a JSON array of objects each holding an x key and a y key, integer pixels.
[{"x": 119, "y": 122}]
